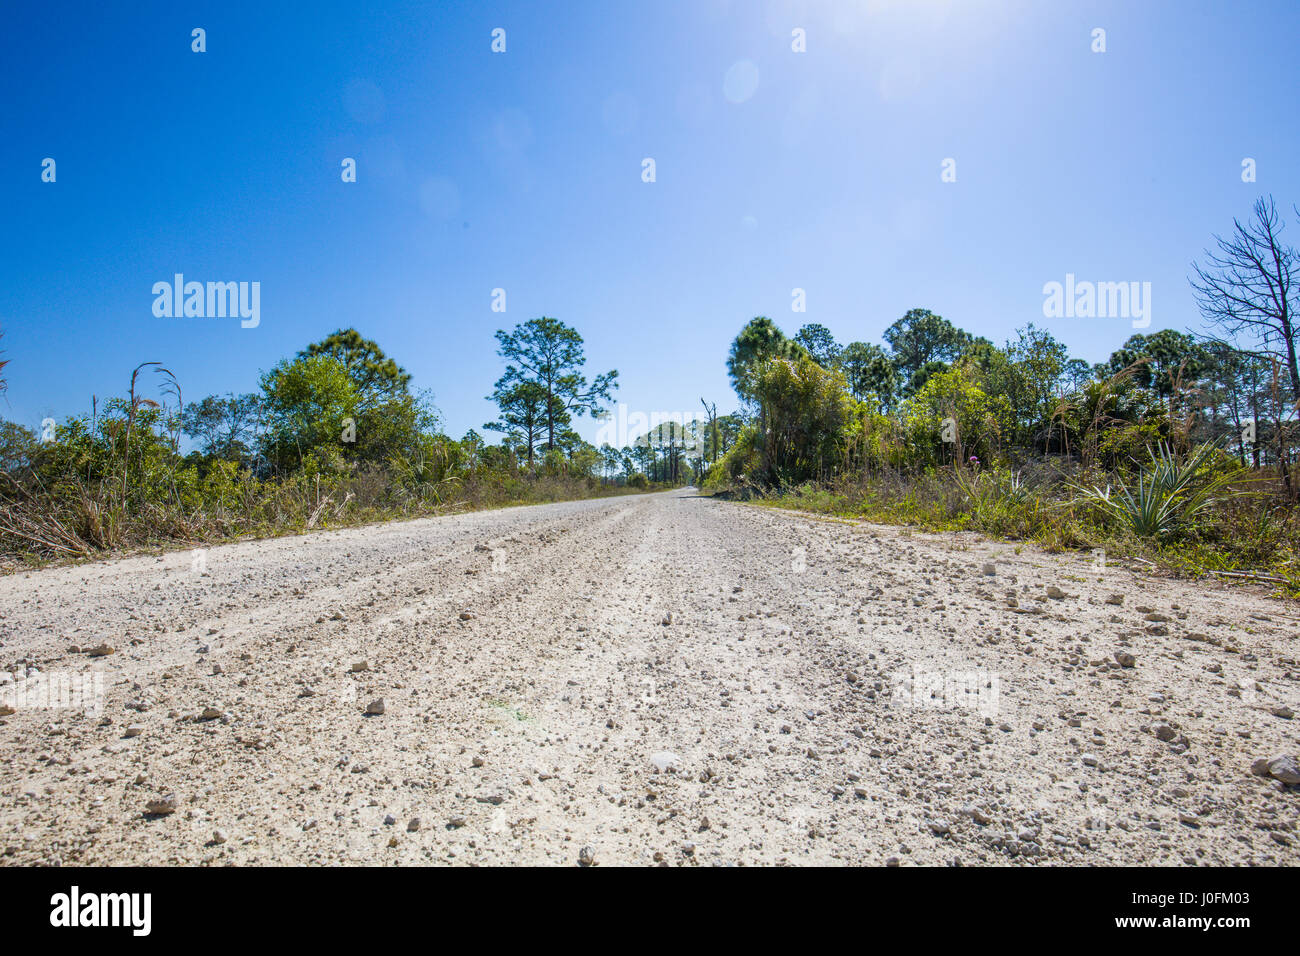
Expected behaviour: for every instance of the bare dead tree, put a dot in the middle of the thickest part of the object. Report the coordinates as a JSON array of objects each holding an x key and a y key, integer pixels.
[
  {"x": 713, "y": 428},
  {"x": 1249, "y": 286}
]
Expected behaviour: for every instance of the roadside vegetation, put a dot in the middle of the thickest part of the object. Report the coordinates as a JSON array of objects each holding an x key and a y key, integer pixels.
[
  {"x": 1180, "y": 449},
  {"x": 334, "y": 436}
]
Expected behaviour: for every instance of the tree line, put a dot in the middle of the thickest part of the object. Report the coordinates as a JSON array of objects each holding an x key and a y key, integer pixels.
[
  {"x": 333, "y": 433},
  {"x": 934, "y": 394}
]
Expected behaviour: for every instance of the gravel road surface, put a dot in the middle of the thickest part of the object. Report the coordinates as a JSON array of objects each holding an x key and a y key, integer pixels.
[{"x": 658, "y": 679}]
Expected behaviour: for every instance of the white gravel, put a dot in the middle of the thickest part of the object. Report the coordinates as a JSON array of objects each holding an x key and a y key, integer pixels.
[{"x": 655, "y": 679}]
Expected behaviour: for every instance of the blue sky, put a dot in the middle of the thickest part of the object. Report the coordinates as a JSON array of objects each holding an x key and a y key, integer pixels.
[{"x": 523, "y": 171}]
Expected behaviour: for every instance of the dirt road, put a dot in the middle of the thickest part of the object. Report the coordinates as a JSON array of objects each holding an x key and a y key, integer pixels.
[{"x": 811, "y": 691}]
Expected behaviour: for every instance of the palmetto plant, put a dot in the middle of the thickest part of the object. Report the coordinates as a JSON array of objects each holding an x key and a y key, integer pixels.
[
  {"x": 1013, "y": 488},
  {"x": 984, "y": 488},
  {"x": 1166, "y": 493}
]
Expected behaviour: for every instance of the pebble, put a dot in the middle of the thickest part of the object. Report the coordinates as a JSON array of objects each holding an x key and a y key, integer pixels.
[
  {"x": 1283, "y": 767},
  {"x": 587, "y": 856},
  {"x": 664, "y": 761},
  {"x": 375, "y": 706},
  {"x": 161, "y": 806}
]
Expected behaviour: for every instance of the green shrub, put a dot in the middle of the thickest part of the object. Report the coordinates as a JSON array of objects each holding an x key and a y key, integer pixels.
[{"x": 1167, "y": 494}]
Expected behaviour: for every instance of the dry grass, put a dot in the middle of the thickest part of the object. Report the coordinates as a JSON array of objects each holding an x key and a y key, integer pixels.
[{"x": 80, "y": 520}]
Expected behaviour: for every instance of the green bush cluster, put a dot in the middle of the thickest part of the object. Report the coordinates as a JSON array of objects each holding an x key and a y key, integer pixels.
[
  {"x": 1141, "y": 454},
  {"x": 334, "y": 436}
]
